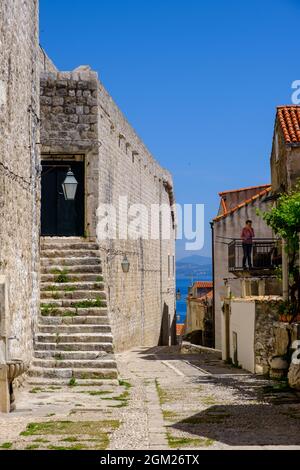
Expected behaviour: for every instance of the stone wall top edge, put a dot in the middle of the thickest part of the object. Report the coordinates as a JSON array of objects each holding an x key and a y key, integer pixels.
[
  {"x": 125, "y": 127},
  {"x": 258, "y": 299}
]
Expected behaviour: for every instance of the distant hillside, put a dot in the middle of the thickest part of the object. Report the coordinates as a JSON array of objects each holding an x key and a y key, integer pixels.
[
  {"x": 196, "y": 271},
  {"x": 195, "y": 259}
]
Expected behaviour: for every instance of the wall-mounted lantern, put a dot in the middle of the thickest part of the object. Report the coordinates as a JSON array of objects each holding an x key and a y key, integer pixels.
[
  {"x": 178, "y": 294},
  {"x": 125, "y": 265},
  {"x": 70, "y": 186}
]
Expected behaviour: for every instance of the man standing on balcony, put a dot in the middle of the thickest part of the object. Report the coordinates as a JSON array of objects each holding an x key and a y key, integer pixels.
[{"x": 247, "y": 240}]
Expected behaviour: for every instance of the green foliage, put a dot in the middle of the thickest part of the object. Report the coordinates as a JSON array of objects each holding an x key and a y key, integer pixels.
[
  {"x": 62, "y": 277},
  {"x": 72, "y": 382},
  {"x": 6, "y": 445},
  {"x": 284, "y": 219},
  {"x": 90, "y": 303}
]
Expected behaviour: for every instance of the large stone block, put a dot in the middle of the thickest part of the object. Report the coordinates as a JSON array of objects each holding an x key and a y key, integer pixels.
[{"x": 294, "y": 376}]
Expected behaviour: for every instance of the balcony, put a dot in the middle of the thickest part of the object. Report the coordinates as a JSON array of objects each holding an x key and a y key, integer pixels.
[{"x": 266, "y": 257}]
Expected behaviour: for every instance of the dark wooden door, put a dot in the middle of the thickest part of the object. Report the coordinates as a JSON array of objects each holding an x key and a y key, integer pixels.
[{"x": 58, "y": 216}]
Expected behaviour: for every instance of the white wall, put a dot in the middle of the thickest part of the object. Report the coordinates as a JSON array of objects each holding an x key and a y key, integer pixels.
[{"x": 242, "y": 321}]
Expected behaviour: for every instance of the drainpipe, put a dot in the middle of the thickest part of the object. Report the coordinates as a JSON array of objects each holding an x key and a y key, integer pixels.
[
  {"x": 213, "y": 279},
  {"x": 285, "y": 272}
]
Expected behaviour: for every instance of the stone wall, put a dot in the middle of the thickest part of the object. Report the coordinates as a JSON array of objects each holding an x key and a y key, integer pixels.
[
  {"x": 45, "y": 63},
  {"x": 19, "y": 169},
  {"x": 80, "y": 117},
  {"x": 266, "y": 314},
  {"x": 285, "y": 162}
]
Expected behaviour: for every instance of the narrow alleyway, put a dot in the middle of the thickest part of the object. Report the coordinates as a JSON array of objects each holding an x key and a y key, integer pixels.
[{"x": 165, "y": 400}]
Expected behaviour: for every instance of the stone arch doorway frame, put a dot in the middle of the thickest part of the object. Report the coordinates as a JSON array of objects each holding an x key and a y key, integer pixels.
[{"x": 91, "y": 181}]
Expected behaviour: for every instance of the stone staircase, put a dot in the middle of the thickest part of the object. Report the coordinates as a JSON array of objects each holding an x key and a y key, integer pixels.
[{"x": 74, "y": 342}]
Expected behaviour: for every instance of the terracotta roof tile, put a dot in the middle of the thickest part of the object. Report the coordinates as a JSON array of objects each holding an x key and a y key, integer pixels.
[
  {"x": 203, "y": 284},
  {"x": 261, "y": 186},
  {"x": 289, "y": 119},
  {"x": 180, "y": 329},
  {"x": 244, "y": 203}
]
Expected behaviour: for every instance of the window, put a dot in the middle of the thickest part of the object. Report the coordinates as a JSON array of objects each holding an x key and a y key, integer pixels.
[{"x": 169, "y": 266}]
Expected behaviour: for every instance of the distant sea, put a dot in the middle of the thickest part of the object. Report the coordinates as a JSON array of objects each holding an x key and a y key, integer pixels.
[{"x": 183, "y": 284}]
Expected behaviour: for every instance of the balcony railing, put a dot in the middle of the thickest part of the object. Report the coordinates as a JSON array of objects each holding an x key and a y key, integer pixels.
[{"x": 265, "y": 256}]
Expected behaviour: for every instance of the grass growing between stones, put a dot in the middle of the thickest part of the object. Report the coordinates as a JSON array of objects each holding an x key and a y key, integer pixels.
[
  {"x": 6, "y": 445},
  {"x": 209, "y": 400},
  {"x": 79, "y": 432},
  {"x": 176, "y": 442},
  {"x": 170, "y": 415},
  {"x": 48, "y": 309},
  {"x": 36, "y": 390},
  {"x": 103, "y": 444},
  {"x": 90, "y": 303},
  {"x": 123, "y": 398},
  {"x": 94, "y": 393},
  {"x": 163, "y": 395},
  {"x": 125, "y": 384},
  {"x": 72, "y": 382}
]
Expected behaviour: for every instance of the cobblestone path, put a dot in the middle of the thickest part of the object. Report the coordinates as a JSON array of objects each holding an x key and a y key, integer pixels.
[{"x": 164, "y": 400}]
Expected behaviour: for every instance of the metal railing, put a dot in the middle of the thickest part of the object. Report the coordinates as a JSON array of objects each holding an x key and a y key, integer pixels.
[{"x": 265, "y": 255}]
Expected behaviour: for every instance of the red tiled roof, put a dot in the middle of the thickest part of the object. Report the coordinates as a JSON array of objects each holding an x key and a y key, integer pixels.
[
  {"x": 180, "y": 329},
  {"x": 261, "y": 186},
  {"x": 203, "y": 284},
  {"x": 289, "y": 119},
  {"x": 244, "y": 203}
]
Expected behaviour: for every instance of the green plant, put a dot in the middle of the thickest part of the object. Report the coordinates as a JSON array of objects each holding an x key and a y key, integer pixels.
[
  {"x": 90, "y": 303},
  {"x": 284, "y": 219},
  {"x": 6, "y": 445},
  {"x": 72, "y": 382},
  {"x": 69, "y": 288},
  {"x": 62, "y": 277},
  {"x": 125, "y": 384}
]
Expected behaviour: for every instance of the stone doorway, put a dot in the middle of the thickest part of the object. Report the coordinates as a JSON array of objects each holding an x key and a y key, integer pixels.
[{"x": 58, "y": 216}]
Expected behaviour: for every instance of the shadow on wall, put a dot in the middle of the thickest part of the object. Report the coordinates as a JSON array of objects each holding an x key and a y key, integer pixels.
[{"x": 167, "y": 330}]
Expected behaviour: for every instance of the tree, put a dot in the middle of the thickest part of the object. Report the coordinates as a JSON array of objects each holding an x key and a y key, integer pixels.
[{"x": 284, "y": 219}]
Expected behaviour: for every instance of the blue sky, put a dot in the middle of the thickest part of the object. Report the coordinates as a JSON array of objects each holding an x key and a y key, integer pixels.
[{"x": 199, "y": 80}]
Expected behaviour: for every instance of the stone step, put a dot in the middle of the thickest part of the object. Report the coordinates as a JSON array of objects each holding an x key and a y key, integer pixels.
[
  {"x": 77, "y": 294},
  {"x": 101, "y": 363},
  {"x": 57, "y": 373},
  {"x": 45, "y": 246},
  {"x": 60, "y": 239},
  {"x": 62, "y": 252},
  {"x": 65, "y": 262},
  {"x": 72, "y": 329},
  {"x": 70, "y": 355},
  {"x": 73, "y": 312},
  {"x": 71, "y": 286},
  {"x": 74, "y": 338},
  {"x": 56, "y": 269},
  {"x": 46, "y": 382},
  {"x": 75, "y": 303},
  {"x": 75, "y": 346},
  {"x": 74, "y": 320},
  {"x": 74, "y": 277}
]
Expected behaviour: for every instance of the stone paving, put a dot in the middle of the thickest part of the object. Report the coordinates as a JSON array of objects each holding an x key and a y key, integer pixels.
[{"x": 164, "y": 400}]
